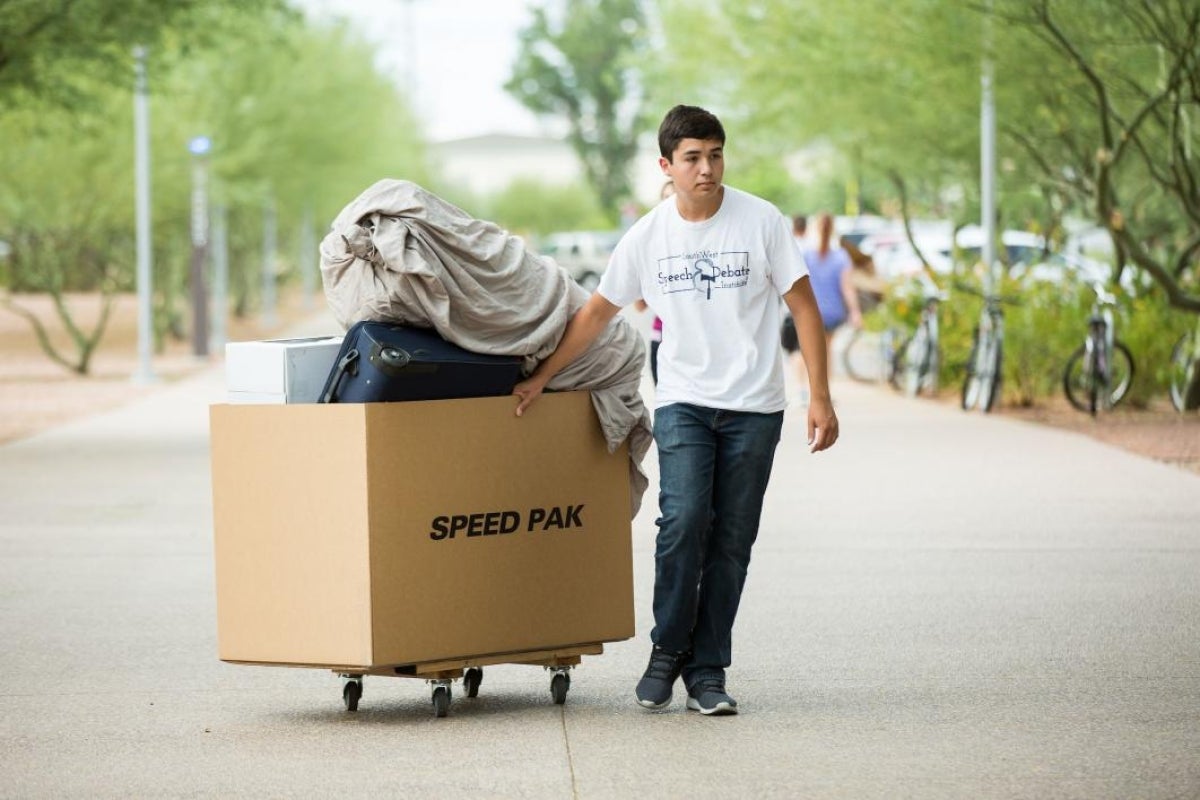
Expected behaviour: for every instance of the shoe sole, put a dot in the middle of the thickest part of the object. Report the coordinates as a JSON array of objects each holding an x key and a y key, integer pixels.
[
  {"x": 719, "y": 710},
  {"x": 654, "y": 706}
]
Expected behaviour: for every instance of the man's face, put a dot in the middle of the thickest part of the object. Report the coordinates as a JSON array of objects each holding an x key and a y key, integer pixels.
[{"x": 696, "y": 167}]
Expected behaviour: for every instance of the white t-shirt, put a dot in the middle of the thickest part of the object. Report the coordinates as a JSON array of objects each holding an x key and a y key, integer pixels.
[{"x": 716, "y": 285}]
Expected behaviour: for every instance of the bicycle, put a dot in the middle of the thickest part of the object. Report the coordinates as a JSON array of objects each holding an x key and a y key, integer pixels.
[
  {"x": 917, "y": 359},
  {"x": 1100, "y": 371},
  {"x": 1184, "y": 371},
  {"x": 986, "y": 363}
]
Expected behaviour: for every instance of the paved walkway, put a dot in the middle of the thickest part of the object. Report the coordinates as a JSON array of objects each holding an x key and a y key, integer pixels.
[{"x": 946, "y": 605}]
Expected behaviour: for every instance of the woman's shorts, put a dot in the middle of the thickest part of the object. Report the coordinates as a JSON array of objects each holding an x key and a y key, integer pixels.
[{"x": 788, "y": 337}]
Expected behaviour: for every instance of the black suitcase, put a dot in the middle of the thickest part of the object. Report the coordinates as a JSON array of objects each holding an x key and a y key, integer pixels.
[{"x": 380, "y": 362}]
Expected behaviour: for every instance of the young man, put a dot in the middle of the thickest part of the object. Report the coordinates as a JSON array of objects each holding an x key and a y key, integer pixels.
[{"x": 712, "y": 262}]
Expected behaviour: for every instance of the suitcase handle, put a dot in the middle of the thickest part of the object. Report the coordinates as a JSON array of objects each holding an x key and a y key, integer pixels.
[{"x": 348, "y": 363}]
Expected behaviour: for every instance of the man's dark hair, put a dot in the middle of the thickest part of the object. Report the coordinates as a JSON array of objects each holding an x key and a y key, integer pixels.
[
  {"x": 800, "y": 223},
  {"x": 687, "y": 122}
]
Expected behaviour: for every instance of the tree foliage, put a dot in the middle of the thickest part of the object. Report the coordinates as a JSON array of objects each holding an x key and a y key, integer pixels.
[
  {"x": 581, "y": 65},
  {"x": 892, "y": 86},
  {"x": 1097, "y": 105},
  {"x": 57, "y": 49},
  {"x": 530, "y": 207},
  {"x": 1117, "y": 129}
]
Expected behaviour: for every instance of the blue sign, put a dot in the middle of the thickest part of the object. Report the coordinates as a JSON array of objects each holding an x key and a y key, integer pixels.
[{"x": 200, "y": 145}]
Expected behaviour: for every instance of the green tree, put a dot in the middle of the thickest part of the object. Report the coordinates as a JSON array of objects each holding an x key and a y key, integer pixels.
[
  {"x": 784, "y": 76},
  {"x": 582, "y": 66},
  {"x": 298, "y": 116},
  {"x": 527, "y": 206},
  {"x": 1116, "y": 128},
  {"x": 57, "y": 49},
  {"x": 296, "y": 113},
  {"x": 63, "y": 237}
]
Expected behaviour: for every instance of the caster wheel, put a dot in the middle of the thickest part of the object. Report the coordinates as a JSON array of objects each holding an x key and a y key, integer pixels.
[
  {"x": 351, "y": 693},
  {"x": 441, "y": 701},
  {"x": 558, "y": 687},
  {"x": 471, "y": 680}
]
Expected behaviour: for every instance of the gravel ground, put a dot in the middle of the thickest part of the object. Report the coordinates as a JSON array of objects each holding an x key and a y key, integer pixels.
[{"x": 36, "y": 393}]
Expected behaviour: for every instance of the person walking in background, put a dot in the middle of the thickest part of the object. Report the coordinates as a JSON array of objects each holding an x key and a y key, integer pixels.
[
  {"x": 787, "y": 334},
  {"x": 713, "y": 264},
  {"x": 831, "y": 272},
  {"x": 667, "y": 190}
]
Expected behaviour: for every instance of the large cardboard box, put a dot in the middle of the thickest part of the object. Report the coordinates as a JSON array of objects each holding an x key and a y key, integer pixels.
[
  {"x": 390, "y": 534},
  {"x": 279, "y": 370}
]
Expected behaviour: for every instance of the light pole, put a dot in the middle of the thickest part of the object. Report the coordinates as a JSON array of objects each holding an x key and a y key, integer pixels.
[
  {"x": 141, "y": 157},
  {"x": 220, "y": 289},
  {"x": 987, "y": 156},
  {"x": 269, "y": 319},
  {"x": 199, "y": 148}
]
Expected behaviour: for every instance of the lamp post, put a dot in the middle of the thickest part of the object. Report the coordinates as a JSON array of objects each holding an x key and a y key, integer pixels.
[
  {"x": 987, "y": 156},
  {"x": 141, "y": 158},
  {"x": 220, "y": 288},
  {"x": 269, "y": 318},
  {"x": 199, "y": 148}
]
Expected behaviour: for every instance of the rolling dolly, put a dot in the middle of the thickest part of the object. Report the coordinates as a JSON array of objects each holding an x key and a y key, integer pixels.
[{"x": 440, "y": 675}]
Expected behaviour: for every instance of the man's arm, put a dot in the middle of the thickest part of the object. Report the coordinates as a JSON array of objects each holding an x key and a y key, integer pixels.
[
  {"x": 822, "y": 422},
  {"x": 581, "y": 331}
]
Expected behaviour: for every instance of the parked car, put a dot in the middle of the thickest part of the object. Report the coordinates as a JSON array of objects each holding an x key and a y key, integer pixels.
[
  {"x": 1020, "y": 247},
  {"x": 584, "y": 254},
  {"x": 1063, "y": 267},
  {"x": 896, "y": 259}
]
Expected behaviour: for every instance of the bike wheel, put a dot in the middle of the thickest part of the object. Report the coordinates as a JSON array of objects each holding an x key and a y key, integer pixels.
[
  {"x": 1079, "y": 382},
  {"x": 863, "y": 357},
  {"x": 970, "y": 388},
  {"x": 1120, "y": 374},
  {"x": 990, "y": 388},
  {"x": 913, "y": 361},
  {"x": 1182, "y": 370},
  {"x": 983, "y": 373}
]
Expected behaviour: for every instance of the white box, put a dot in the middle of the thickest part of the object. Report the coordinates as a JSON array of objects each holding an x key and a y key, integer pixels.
[{"x": 279, "y": 370}]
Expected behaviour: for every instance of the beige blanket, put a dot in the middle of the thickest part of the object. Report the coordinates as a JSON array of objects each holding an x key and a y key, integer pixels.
[{"x": 400, "y": 254}]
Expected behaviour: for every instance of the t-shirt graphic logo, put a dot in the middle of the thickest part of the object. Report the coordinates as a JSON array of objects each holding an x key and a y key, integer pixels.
[
  {"x": 705, "y": 276},
  {"x": 703, "y": 272}
]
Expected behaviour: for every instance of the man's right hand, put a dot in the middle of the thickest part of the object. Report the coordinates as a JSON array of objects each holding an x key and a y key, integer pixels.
[
  {"x": 584, "y": 327},
  {"x": 527, "y": 391}
]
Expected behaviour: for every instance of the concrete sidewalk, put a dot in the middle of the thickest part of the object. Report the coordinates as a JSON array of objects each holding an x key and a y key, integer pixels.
[{"x": 946, "y": 605}]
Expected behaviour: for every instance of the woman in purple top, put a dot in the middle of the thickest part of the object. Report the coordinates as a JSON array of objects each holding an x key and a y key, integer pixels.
[{"x": 829, "y": 270}]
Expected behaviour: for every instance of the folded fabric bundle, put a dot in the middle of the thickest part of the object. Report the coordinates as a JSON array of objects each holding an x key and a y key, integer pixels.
[{"x": 399, "y": 253}]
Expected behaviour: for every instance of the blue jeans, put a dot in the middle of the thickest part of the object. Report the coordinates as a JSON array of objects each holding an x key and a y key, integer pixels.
[{"x": 714, "y": 466}]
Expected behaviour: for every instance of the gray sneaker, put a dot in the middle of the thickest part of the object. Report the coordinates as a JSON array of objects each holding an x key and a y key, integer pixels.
[
  {"x": 654, "y": 689},
  {"x": 709, "y": 698}
]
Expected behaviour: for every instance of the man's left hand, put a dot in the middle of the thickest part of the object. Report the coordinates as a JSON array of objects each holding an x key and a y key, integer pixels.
[{"x": 822, "y": 424}]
